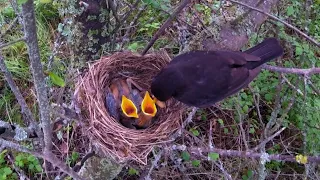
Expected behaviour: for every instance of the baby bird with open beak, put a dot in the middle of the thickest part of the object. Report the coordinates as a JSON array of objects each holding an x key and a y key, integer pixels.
[{"x": 133, "y": 111}]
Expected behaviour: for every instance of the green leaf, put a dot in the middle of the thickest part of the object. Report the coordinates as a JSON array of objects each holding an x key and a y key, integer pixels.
[
  {"x": 194, "y": 132},
  {"x": 213, "y": 156},
  {"x": 7, "y": 171},
  {"x": 133, "y": 46},
  {"x": 31, "y": 158},
  {"x": 21, "y": 1},
  {"x": 226, "y": 130},
  {"x": 74, "y": 156},
  {"x": 252, "y": 130},
  {"x": 299, "y": 50},
  {"x": 38, "y": 168},
  {"x": 185, "y": 156},
  {"x": 244, "y": 177},
  {"x": 31, "y": 167},
  {"x": 220, "y": 121},
  {"x": 56, "y": 79},
  {"x": 245, "y": 108},
  {"x": 268, "y": 97},
  {"x": 250, "y": 173},
  {"x": 19, "y": 157},
  {"x": 195, "y": 163},
  {"x": 290, "y": 10},
  {"x": 132, "y": 171},
  {"x": 45, "y": 1}
]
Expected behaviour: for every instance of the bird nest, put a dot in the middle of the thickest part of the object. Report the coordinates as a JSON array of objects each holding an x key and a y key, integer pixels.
[{"x": 107, "y": 134}]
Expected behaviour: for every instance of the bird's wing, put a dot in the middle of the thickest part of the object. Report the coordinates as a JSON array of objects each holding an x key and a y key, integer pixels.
[{"x": 219, "y": 75}]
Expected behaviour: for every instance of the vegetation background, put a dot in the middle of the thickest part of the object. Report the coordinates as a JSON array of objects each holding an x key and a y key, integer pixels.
[{"x": 277, "y": 114}]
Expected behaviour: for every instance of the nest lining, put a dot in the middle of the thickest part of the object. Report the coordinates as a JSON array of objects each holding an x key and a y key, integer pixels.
[{"x": 107, "y": 134}]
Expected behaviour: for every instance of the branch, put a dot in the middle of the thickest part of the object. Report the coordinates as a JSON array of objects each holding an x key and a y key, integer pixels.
[
  {"x": 49, "y": 157},
  {"x": 30, "y": 31},
  {"x": 10, "y": 43},
  {"x": 277, "y": 19},
  {"x": 264, "y": 142},
  {"x": 248, "y": 154},
  {"x": 183, "y": 4},
  {"x": 306, "y": 72},
  {"x": 172, "y": 138},
  {"x": 14, "y": 88}
]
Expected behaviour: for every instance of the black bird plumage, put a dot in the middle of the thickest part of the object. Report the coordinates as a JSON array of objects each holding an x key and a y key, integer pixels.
[{"x": 202, "y": 78}]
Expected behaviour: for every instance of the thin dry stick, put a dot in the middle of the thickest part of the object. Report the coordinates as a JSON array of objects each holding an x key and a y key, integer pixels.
[
  {"x": 165, "y": 25},
  {"x": 277, "y": 19},
  {"x": 306, "y": 72}
]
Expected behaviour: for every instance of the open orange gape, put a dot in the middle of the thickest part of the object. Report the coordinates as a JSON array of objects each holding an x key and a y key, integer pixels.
[{"x": 122, "y": 119}]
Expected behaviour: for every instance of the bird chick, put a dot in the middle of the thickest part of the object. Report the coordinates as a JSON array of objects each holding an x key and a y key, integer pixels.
[
  {"x": 116, "y": 100},
  {"x": 148, "y": 112}
]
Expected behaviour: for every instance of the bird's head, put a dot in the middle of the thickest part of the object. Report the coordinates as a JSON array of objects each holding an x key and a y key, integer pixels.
[{"x": 165, "y": 84}]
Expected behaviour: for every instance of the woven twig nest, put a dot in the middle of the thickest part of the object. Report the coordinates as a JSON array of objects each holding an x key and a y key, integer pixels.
[{"x": 107, "y": 134}]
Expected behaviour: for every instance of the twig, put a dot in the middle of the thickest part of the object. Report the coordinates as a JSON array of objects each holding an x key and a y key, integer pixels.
[
  {"x": 114, "y": 10},
  {"x": 30, "y": 31},
  {"x": 243, "y": 134},
  {"x": 183, "y": 4},
  {"x": 10, "y": 43},
  {"x": 154, "y": 164},
  {"x": 256, "y": 98},
  {"x": 49, "y": 157},
  {"x": 313, "y": 87},
  {"x": 14, "y": 88},
  {"x": 126, "y": 35},
  {"x": 225, "y": 173},
  {"x": 18, "y": 170},
  {"x": 263, "y": 143},
  {"x": 291, "y": 85},
  {"x": 172, "y": 138},
  {"x": 211, "y": 145},
  {"x": 9, "y": 28},
  {"x": 78, "y": 166},
  {"x": 277, "y": 19},
  {"x": 307, "y": 72},
  {"x": 125, "y": 17}
]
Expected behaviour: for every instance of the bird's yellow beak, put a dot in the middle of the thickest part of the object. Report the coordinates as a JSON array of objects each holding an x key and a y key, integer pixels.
[
  {"x": 148, "y": 105},
  {"x": 159, "y": 103},
  {"x": 128, "y": 107}
]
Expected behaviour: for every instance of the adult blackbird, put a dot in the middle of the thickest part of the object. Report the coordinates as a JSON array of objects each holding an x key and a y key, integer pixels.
[{"x": 202, "y": 78}]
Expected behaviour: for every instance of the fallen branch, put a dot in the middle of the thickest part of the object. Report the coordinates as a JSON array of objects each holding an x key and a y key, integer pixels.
[{"x": 277, "y": 19}]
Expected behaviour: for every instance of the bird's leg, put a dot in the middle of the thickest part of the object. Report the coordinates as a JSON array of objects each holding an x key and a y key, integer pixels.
[{"x": 130, "y": 82}]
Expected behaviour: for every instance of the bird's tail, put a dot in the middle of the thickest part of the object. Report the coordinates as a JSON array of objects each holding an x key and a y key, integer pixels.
[{"x": 267, "y": 50}]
